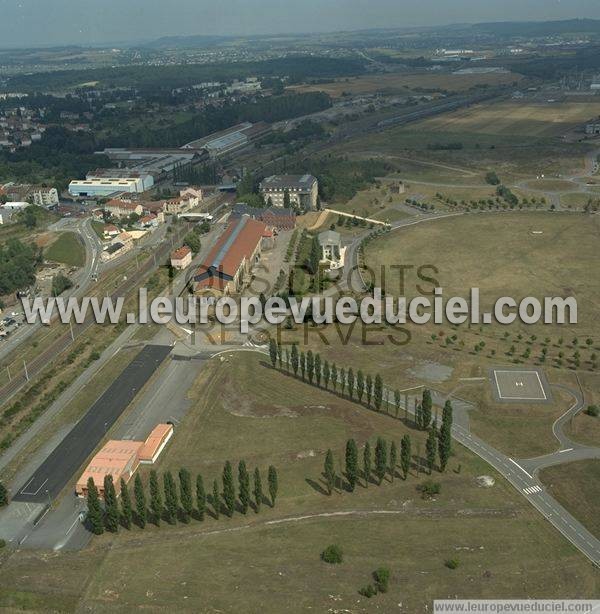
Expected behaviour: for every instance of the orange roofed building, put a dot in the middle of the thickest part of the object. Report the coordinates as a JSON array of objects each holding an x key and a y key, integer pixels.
[
  {"x": 230, "y": 262},
  {"x": 121, "y": 458}
]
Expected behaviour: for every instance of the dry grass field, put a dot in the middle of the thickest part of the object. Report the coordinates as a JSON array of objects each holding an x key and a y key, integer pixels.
[
  {"x": 499, "y": 254},
  {"x": 519, "y": 140},
  {"x": 269, "y": 562},
  {"x": 513, "y": 253},
  {"x": 515, "y": 118},
  {"x": 399, "y": 83},
  {"x": 576, "y": 486}
]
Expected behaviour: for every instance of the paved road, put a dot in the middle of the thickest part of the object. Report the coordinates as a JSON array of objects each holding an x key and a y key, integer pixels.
[
  {"x": 58, "y": 468},
  {"x": 526, "y": 483},
  {"x": 522, "y": 479},
  {"x": 82, "y": 279},
  {"x": 40, "y": 362},
  {"x": 569, "y": 450}
]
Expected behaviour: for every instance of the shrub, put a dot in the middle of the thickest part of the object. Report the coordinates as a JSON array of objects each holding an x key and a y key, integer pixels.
[
  {"x": 332, "y": 554},
  {"x": 451, "y": 563},
  {"x": 2, "y": 544},
  {"x": 382, "y": 579},
  {"x": 593, "y": 410},
  {"x": 95, "y": 355},
  {"x": 368, "y": 591},
  {"x": 430, "y": 488}
]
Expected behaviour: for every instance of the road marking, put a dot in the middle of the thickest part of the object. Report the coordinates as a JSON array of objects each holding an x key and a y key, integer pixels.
[
  {"x": 74, "y": 523},
  {"x": 521, "y": 468},
  {"x": 532, "y": 489},
  {"x": 567, "y": 450},
  {"x": 24, "y": 492}
]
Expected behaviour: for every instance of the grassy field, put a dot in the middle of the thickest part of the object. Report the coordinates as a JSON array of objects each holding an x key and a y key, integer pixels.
[
  {"x": 264, "y": 560},
  {"x": 551, "y": 185},
  {"x": 402, "y": 83},
  {"x": 66, "y": 249},
  {"x": 500, "y": 255},
  {"x": 583, "y": 428},
  {"x": 577, "y": 487},
  {"x": 518, "y": 140},
  {"x": 500, "y": 252},
  {"x": 515, "y": 119}
]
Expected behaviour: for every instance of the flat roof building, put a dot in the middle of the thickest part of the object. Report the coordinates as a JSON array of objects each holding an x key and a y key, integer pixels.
[
  {"x": 223, "y": 142},
  {"x": 121, "y": 458},
  {"x": 107, "y": 186}
]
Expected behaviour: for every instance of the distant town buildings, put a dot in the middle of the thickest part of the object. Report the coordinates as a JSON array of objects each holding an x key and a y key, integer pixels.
[
  {"x": 20, "y": 127},
  {"x": 120, "y": 208},
  {"x": 593, "y": 127},
  {"x": 41, "y": 196},
  {"x": 302, "y": 191}
]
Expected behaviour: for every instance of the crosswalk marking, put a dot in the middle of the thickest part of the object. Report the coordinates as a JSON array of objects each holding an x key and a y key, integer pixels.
[{"x": 532, "y": 489}]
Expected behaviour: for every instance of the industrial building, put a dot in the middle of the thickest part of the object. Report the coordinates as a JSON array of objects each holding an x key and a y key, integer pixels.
[
  {"x": 303, "y": 191},
  {"x": 593, "y": 127},
  {"x": 109, "y": 186},
  {"x": 159, "y": 163},
  {"x": 221, "y": 143},
  {"x": 229, "y": 264},
  {"x": 121, "y": 458}
]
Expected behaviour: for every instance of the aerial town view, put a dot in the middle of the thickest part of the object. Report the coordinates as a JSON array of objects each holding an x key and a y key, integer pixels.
[{"x": 300, "y": 306}]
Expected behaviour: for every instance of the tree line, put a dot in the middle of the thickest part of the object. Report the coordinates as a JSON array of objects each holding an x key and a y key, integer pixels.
[
  {"x": 18, "y": 262},
  {"x": 370, "y": 391},
  {"x": 172, "y": 500}
]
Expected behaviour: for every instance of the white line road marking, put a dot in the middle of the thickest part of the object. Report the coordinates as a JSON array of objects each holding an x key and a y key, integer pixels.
[
  {"x": 24, "y": 492},
  {"x": 74, "y": 523},
  {"x": 566, "y": 450},
  {"x": 532, "y": 489},
  {"x": 521, "y": 468}
]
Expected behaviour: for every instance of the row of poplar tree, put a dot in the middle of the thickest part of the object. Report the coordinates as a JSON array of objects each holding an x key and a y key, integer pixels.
[
  {"x": 383, "y": 462},
  {"x": 315, "y": 371},
  {"x": 172, "y": 502}
]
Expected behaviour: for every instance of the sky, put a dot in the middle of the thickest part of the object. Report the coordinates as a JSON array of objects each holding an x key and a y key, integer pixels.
[{"x": 26, "y": 23}]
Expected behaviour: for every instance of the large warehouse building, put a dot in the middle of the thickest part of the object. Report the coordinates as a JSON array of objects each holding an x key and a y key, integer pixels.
[
  {"x": 91, "y": 186},
  {"x": 228, "y": 266},
  {"x": 221, "y": 143}
]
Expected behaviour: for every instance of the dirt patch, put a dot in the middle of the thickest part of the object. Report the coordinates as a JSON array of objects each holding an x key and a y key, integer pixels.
[
  {"x": 45, "y": 239},
  {"x": 433, "y": 372}
]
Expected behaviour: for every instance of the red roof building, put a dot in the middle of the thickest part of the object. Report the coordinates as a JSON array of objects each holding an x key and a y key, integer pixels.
[
  {"x": 233, "y": 256},
  {"x": 181, "y": 258}
]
